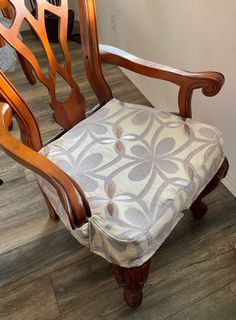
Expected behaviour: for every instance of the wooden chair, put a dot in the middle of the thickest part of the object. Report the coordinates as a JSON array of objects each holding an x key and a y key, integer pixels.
[{"x": 120, "y": 178}]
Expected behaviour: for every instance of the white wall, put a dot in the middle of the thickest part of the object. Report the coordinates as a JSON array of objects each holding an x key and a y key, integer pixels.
[
  {"x": 73, "y": 5},
  {"x": 195, "y": 35}
]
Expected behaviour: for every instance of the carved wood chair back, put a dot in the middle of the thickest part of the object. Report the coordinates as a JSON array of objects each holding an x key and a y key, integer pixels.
[
  {"x": 72, "y": 110},
  {"x": 67, "y": 113}
]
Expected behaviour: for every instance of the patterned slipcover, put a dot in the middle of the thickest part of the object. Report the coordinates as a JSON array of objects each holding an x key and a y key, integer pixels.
[{"x": 139, "y": 168}]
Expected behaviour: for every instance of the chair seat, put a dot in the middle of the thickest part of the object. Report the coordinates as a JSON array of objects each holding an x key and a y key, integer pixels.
[{"x": 139, "y": 168}]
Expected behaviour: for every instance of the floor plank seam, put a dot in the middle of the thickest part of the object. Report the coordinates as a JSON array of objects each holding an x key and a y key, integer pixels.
[
  {"x": 197, "y": 301},
  {"x": 37, "y": 237},
  {"x": 229, "y": 286},
  {"x": 55, "y": 298},
  {"x": 193, "y": 263}
]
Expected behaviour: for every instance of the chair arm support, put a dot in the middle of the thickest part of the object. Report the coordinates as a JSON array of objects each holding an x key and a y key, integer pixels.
[
  {"x": 210, "y": 82},
  {"x": 67, "y": 189}
]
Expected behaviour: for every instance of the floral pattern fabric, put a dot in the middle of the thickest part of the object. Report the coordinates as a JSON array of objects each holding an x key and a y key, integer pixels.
[{"x": 140, "y": 168}]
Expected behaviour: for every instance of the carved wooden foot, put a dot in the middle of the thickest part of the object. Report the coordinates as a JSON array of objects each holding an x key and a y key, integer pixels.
[
  {"x": 133, "y": 280},
  {"x": 199, "y": 208}
]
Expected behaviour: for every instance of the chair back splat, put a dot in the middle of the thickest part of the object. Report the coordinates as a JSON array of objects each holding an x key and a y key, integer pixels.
[{"x": 69, "y": 112}]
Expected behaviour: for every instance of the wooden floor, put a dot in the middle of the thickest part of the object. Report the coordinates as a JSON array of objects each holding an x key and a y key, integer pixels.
[{"x": 45, "y": 274}]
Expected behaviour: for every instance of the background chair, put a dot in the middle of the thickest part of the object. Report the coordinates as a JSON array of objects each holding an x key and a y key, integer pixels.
[
  {"x": 122, "y": 227},
  {"x": 7, "y": 11}
]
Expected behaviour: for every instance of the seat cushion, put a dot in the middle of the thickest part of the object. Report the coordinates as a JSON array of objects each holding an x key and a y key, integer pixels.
[{"x": 140, "y": 168}]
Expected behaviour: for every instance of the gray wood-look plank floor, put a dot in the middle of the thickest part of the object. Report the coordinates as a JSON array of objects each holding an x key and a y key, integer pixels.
[{"x": 45, "y": 273}]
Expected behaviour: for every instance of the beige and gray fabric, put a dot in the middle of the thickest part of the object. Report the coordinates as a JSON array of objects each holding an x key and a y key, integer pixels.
[{"x": 139, "y": 168}]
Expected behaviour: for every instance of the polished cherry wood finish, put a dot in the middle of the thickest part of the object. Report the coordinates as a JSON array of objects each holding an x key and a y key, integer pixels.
[
  {"x": 66, "y": 113},
  {"x": 132, "y": 280},
  {"x": 209, "y": 82},
  {"x": 69, "y": 112},
  {"x": 91, "y": 54}
]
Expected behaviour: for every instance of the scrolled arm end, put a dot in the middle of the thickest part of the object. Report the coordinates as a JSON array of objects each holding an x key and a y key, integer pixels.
[{"x": 212, "y": 84}]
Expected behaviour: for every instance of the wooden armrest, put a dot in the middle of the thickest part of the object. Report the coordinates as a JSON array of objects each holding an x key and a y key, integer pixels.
[
  {"x": 68, "y": 190},
  {"x": 210, "y": 82}
]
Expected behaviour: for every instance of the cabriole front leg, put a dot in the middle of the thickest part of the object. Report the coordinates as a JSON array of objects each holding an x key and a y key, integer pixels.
[
  {"x": 199, "y": 208},
  {"x": 132, "y": 280}
]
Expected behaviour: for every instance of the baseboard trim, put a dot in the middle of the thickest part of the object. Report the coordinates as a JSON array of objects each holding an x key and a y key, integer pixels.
[
  {"x": 229, "y": 181},
  {"x": 230, "y": 184}
]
